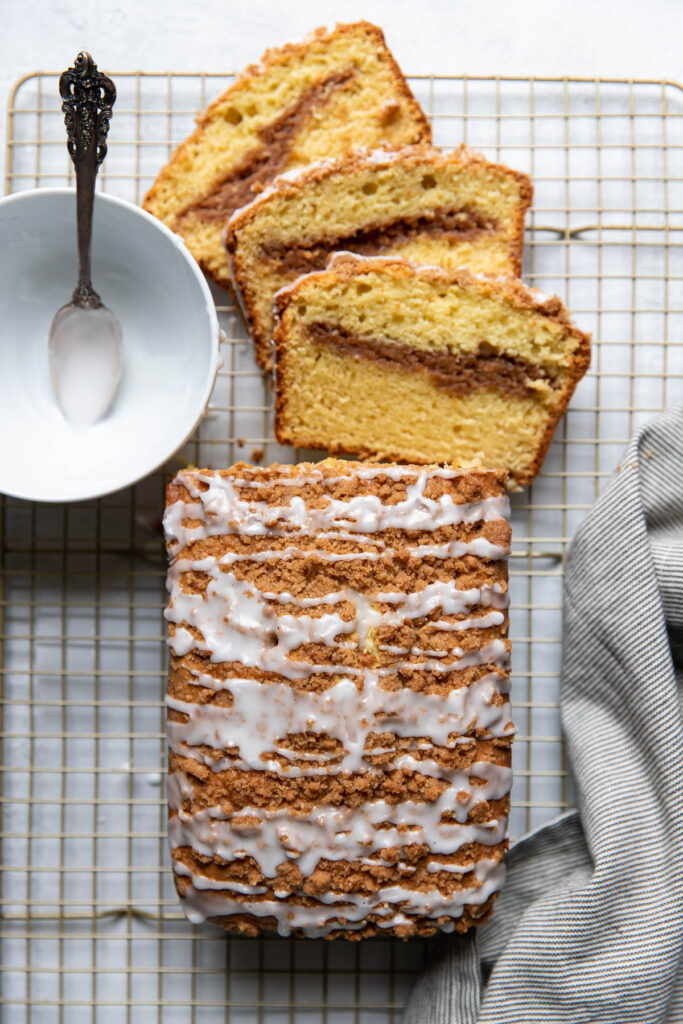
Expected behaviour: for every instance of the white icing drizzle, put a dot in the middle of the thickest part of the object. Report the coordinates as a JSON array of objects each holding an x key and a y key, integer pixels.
[
  {"x": 443, "y": 595},
  {"x": 480, "y": 547},
  {"x": 234, "y": 622},
  {"x": 263, "y": 712},
  {"x": 271, "y": 837},
  {"x": 222, "y": 511},
  {"x": 435, "y": 866},
  {"x": 238, "y": 622},
  {"x": 238, "y": 625},
  {"x": 348, "y": 910},
  {"x": 200, "y": 882}
]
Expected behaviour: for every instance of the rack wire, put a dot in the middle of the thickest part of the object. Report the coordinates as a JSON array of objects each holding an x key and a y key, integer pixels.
[{"x": 91, "y": 930}]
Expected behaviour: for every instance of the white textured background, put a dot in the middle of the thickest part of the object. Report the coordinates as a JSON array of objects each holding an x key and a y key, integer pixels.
[
  {"x": 623, "y": 38},
  {"x": 619, "y": 38}
]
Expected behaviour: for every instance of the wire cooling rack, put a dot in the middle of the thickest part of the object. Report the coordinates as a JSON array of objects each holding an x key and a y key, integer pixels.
[{"x": 91, "y": 929}]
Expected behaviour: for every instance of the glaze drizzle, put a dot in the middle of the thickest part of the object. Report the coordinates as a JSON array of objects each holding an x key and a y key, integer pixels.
[{"x": 313, "y": 667}]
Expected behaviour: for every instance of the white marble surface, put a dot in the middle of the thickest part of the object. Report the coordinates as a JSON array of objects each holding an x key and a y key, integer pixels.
[{"x": 622, "y": 38}]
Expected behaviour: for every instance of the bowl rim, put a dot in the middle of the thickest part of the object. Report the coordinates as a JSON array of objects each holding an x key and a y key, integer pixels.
[{"x": 215, "y": 364}]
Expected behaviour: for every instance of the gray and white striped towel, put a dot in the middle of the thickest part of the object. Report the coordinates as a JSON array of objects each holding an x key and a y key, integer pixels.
[{"x": 589, "y": 926}]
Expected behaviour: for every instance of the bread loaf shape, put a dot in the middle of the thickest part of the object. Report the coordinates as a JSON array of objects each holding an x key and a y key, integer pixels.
[{"x": 338, "y": 711}]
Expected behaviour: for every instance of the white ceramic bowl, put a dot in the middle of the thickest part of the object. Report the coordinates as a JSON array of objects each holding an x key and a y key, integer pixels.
[{"x": 146, "y": 276}]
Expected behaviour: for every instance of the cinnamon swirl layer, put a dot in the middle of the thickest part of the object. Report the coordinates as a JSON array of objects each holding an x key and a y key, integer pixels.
[
  {"x": 450, "y": 210},
  {"x": 303, "y": 101},
  {"x": 381, "y": 358}
]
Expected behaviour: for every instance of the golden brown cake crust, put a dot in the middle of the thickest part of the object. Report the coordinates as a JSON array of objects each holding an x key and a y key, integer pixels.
[
  {"x": 275, "y": 57},
  {"x": 409, "y": 156},
  {"x": 345, "y": 267},
  {"x": 451, "y": 783},
  {"x": 279, "y": 55}
]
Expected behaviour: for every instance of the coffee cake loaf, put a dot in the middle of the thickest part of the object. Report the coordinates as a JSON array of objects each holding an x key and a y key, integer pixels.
[
  {"x": 384, "y": 359},
  {"x": 338, "y": 718},
  {"x": 451, "y": 210},
  {"x": 317, "y": 98}
]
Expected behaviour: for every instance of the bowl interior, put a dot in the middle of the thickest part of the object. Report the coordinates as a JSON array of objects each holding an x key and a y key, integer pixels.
[{"x": 145, "y": 275}]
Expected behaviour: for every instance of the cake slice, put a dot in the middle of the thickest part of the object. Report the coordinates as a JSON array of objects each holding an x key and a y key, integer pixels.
[
  {"x": 320, "y": 97},
  {"x": 381, "y": 358},
  {"x": 452, "y": 210},
  {"x": 338, "y": 715}
]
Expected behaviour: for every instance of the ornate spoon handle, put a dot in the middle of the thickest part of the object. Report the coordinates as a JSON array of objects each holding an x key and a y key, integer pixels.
[{"x": 87, "y": 99}]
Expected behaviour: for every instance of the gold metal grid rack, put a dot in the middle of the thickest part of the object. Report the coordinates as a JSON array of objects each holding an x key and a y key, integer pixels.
[{"x": 91, "y": 931}]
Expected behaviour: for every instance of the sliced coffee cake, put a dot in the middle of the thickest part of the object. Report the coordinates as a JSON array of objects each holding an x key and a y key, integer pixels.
[
  {"x": 338, "y": 715},
  {"x": 418, "y": 203},
  {"x": 380, "y": 358},
  {"x": 332, "y": 91}
]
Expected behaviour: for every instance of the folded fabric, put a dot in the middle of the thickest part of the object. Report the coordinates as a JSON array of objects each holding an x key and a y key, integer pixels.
[{"x": 589, "y": 926}]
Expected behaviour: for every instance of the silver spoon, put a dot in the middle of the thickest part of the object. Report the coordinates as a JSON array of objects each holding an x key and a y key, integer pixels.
[{"x": 84, "y": 344}]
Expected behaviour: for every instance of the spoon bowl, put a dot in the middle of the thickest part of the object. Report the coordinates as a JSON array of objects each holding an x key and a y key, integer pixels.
[{"x": 85, "y": 361}]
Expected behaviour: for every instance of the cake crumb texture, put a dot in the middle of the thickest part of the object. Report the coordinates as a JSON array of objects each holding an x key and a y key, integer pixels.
[
  {"x": 317, "y": 98},
  {"x": 383, "y": 359},
  {"x": 338, "y": 714},
  {"x": 451, "y": 210}
]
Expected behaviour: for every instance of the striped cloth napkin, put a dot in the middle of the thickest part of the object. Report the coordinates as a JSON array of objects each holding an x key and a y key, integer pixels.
[{"x": 589, "y": 926}]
